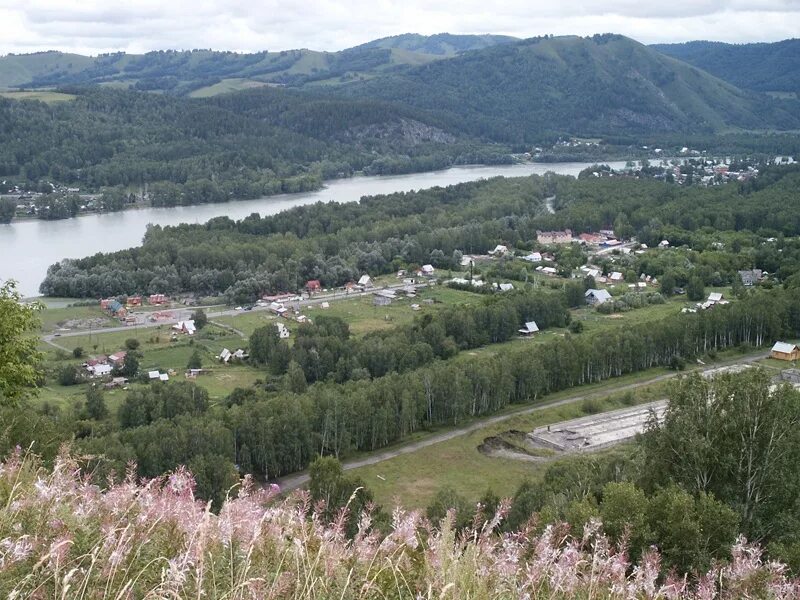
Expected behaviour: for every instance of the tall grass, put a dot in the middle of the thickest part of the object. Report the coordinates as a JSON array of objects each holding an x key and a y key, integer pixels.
[{"x": 64, "y": 538}]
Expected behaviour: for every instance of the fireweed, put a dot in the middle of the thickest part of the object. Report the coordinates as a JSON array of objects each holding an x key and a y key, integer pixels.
[{"x": 63, "y": 537}]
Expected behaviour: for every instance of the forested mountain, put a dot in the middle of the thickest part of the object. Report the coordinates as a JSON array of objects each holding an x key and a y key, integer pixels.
[
  {"x": 763, "y": 67},
  {"x": 208, "y": 72},
  {"x": 596, "y": 85},
  {"x": 445, "y": 44},
  {"x": 241, "y": 145}
]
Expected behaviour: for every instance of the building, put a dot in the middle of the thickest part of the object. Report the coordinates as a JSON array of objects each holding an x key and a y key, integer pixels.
[
  {"x": 506, "y": 287},
  {"x": 716, "y": 298},
  {"x": 99, "y": 370},
  {"x": 283, "y": 331},
  {"x": 313, "y": 285},
  {"x": 225, "y": 355},
  {"x": 157, "y": 299},
  {"x": 534, "y": 257},
  {"x": 118, "y": 357},
  {"x": 751, "y": 278},
  {"x": 554, "y": 237},
  {"x": 187, "y": 327},
  {"x": 785, "y": 351},
  {"x": 595, "y": 297},
  {"x": 383, "y": 297},
  {"x": 591, "y": 238},
  {"x": 616, "y": 277},
  {"x": 530, "y": 328},
  {"x": 427, "y": 270},
  {"x": 499, "y": 250},
  {"x": 365, "y": 281},
  {"x": 663, "y": 244},
  {"x": 134, "y": 301}
]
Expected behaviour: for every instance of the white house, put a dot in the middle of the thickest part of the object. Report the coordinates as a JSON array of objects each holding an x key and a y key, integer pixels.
[
  {"x": 427, "y": 269},
  {"x": 365, "y": 281},
  {"x": 716, "y": 298},
  {"x": 663, "y": 244},
  {"x": 153, "y": 375},
  {"x": 530, "y": 328},
  {"x": 499, "y": 250},
  {"x": 225, "y": 355},
  {"x": 616, "y": 276},
  {"x": 595, "y": 297},
  {"x": 186, "y": 327},
  {"x": 506, "y": 287},
  {"x": 534, "y": 257},
  {"x": 99, "y": 370}
]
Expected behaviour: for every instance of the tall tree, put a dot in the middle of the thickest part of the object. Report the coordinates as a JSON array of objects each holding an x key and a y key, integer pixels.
[{"x": 19, "y": 356}]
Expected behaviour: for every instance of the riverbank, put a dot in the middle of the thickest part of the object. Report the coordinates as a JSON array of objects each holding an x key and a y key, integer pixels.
[{"x": 35, "y": 245}]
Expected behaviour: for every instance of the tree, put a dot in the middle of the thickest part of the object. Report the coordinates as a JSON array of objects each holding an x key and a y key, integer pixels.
[
  {"x": 295, "y": 378},
  {"x": 695, "y": 289},
  {"x": 68, "y": 375},
  {"x": 132, "y": 343},
  {"x": 667, "y": 284},
  {"x": 130, "y": 365},
  {"x": 19, "y": 357},
  {"x": 7, "y": 210},
  {"x": 447, "y": 499},
  {"x": 200, "y": 318},
  {"x": 77, "y": 352},
  {"x": 95, "y": 403},
  {"x": 195, "y": 360}
]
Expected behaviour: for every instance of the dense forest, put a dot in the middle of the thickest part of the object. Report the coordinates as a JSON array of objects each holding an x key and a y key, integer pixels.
[
  {"x": 337, "y": 243},
  {"x": 762, "y": 67},
  {"x": 241, "y": 146}
]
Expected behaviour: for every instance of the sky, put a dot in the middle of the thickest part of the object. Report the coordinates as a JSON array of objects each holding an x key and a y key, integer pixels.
[{"x": 96, "y": 26}]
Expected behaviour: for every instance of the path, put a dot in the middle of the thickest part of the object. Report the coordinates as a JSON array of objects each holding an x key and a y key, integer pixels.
[{"x": 294, "y": 481}]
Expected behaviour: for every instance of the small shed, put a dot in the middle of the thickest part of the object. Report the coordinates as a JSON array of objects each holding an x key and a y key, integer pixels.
[
  {"x": 595, "y": 297},
  {"x": 530, "y": 328},
  {"x": 785, "y": 351}
]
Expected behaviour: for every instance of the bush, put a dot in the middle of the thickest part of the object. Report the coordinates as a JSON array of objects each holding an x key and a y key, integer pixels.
[
  {"x": 77, "y": 352},
  {"x": 576, "y": 326},
  {"x": 131, "y": 343}
]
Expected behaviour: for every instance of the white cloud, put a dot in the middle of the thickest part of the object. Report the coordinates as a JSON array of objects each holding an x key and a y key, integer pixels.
[{"x": 93, "y": 26}]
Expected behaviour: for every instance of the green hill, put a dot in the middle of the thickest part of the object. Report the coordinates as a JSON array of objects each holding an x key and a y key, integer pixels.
[
  {"x": 440, "y": 44},
  {"x": 207, "y": 72},
  {"x": 762, "y": 67},
  {"x": 598, "y": 85}
]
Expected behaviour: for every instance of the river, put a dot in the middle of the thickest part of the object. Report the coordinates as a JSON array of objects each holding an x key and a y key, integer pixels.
[{"x": 27, "y": 248}]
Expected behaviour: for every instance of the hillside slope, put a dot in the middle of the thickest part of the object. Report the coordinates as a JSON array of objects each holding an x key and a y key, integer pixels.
[
  {"x": 762, "y": 67},
  {"x": 184, "y": 72},
  {"x": 597, "y": 85}
]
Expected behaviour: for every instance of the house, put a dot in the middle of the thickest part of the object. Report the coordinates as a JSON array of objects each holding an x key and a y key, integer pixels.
[
  {"x": 591, "y": 238},
  {"x": 663, "y": 244},
  {"x": 163, "y": 377},
  {"x": 616, "y": 277},
  {"x": 153, "y": 375},
  {"x": 278, "y": 308},
  {"x": 365, "y": 281},
  {"x": 785, "y": 351},
  {"x": 118, "y": 357},
  {"x": 530, "y": 328},
  {"x": 716, "y": 298},
  {"x": 554, "y": 237},
  {"x": 115, "y": 308},
  {"x": 325, "y": 305},
  {"x": 99, "y": 370},
  {"x": 283, "y": 331},
  {"x": 157, "y": 299},
  {"x": 467, "y": 260},
  {"x": 225, "y": 355},
  {"x": 383, "y": 297},
  {"x": 499, "y": 250},
  {"x": 313, "y": 285},
  {"x": 595, "y": 297},
  {"x": 751, "y": 278},
  {"x": 427, "y": 270},
  {"x": 134, "y": 301},
  {"x": 551, "y": 271},
  {"x": 187, "y": 327},
  {"x": 506, "y": 287},
  {"x": 534, "y": 257},
  {"x": 240, "y": 354},
  {"x": 593, "y": 273}
]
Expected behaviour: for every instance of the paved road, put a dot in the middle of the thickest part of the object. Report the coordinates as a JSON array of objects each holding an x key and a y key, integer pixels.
[
  {"x": 297, "y": 480},
  {"x": 182, "y": 313}
]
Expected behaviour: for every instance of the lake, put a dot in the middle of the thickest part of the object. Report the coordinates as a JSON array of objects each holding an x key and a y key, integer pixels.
[{"x": 27, "y": 248}]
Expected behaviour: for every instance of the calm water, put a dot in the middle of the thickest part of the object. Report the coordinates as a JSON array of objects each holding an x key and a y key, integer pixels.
[{"x": 28, "y": 248}]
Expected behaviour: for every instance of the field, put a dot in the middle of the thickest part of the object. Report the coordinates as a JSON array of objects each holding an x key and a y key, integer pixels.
[
  {"x": 226, "y": 86},
  {"x": 41, "y": 95}
]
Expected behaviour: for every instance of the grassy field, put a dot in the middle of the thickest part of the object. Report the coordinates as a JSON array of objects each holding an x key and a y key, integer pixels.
[
  {"x": 413, "y": 479},
  {"x": 226, "y": 86},
  {"x": 41, "y": 95}
]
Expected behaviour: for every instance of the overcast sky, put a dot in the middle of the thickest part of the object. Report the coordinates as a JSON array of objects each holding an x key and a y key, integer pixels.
[{"x": 94, "y": 26}]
